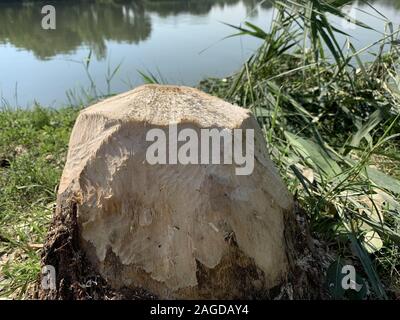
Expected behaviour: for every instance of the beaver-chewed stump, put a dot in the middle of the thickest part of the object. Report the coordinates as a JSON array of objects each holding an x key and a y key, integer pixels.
[{"x": 128, "y": 227}]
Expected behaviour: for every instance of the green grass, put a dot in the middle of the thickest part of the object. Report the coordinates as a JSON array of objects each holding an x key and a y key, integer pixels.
[
  {"x": 331, "y": 119},
  {"x": 33, "y": 145}
]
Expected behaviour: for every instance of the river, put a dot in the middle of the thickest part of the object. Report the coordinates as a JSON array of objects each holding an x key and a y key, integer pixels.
[{"x": 180, "y": 41}]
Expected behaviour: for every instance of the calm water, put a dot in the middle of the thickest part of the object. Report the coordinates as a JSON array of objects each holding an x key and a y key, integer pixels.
[{"x": 180, "y": 39}]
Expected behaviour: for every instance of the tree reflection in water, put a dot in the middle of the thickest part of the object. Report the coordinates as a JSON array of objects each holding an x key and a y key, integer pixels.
[{"x": 92, "y": 23}]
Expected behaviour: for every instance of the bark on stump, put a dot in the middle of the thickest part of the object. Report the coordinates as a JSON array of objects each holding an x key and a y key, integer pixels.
[{"x": 124, "y": 228}]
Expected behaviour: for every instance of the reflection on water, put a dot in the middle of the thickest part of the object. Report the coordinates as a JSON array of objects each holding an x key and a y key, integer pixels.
[
  {"x": 92, "y": 23},
  {"x": 165, "y": 35},
  {"x": 78, "y": 23}
]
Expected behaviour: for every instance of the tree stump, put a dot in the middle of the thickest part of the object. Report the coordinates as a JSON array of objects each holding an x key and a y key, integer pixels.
[{"x": 134, "y": 222}]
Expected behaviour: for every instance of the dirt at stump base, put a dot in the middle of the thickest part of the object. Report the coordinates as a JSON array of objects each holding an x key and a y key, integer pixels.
[{"x": 77, "y": 280}]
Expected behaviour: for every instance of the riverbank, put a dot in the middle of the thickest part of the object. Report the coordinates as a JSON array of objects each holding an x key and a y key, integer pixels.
[
  {"x": 33, "y": 146},
  {"x": 332, "y": 125}
]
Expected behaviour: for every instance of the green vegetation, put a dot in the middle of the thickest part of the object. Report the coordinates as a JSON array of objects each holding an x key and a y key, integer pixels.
[
  {"x": 331, "y": 119},
  {"x": 332, "y": 124},
  {"x": 33, "y": 147}
]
